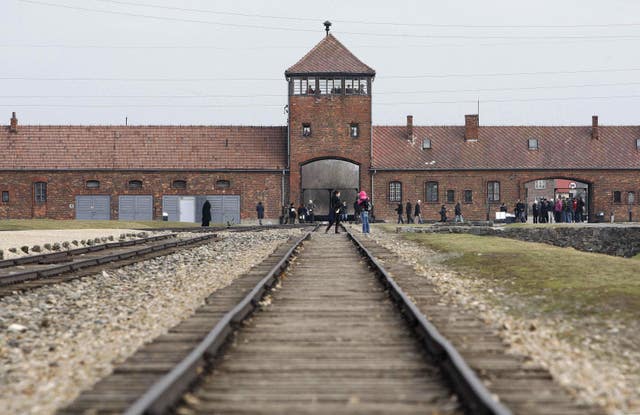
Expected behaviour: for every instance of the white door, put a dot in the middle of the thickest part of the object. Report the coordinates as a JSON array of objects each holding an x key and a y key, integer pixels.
[{"x": 187, "y": 209}]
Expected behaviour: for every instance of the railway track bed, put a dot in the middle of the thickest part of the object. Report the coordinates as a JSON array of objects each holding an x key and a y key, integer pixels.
[
  {"x": 35, "y": 271},
  {"x": 329, "y": 339}
]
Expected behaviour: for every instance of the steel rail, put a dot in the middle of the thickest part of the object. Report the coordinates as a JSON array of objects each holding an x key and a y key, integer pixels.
[
  {"x": 78, "y": 265},
  {"x": 167, "y": 391},
  {"x": 473, "y": 394}
]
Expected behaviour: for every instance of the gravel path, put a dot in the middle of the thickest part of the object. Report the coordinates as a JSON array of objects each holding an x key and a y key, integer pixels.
[
  {"x": 56, "y": 341},
  {"x": 594, "y": 370}
]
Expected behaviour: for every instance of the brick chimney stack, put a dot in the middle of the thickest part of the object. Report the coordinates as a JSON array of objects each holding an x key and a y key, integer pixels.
[
  {"x": 14, "y": 123},
  {"x": 471, "y": 122},
  {"x": 594, "y": 127},
  {"x": 409, "y": 127}
]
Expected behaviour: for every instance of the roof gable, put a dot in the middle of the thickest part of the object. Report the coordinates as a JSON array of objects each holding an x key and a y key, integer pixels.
[{"x": 330, "y": 56}]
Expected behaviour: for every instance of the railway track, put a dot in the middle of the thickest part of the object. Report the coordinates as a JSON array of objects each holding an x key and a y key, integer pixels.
[
  {"x": 30, "y": 272},
  {"x": 334, "y": 334}
]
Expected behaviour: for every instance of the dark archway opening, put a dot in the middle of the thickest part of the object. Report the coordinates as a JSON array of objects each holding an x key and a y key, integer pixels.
[{"x": 321, "y": 177}]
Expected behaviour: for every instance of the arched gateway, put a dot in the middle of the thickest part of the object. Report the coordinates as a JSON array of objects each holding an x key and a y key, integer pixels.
[{"x": 319, "y": 178}]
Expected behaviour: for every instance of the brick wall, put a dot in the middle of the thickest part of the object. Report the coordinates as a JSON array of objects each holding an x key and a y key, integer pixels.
[
  {"x": 63, "y": 187},
  {"x": 330, "y": 118},
  {"x": 512, "y": 187}
]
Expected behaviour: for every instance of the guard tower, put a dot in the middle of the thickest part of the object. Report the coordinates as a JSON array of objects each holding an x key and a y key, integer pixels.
[{"x": 329, "y": 124}]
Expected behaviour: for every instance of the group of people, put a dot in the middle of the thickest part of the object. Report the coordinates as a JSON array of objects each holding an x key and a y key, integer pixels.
[
  {"x": 561, "y": 210},
  {"x": 414, "y": 213},
  {"x": 289, "y": 214}
]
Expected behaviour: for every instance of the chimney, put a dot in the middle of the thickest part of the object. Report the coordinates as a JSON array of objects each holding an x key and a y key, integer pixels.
[
  {"x": 471, "y": 122},
  {"x": 409, "y": 127},
  {"x": 594, "y": 127},
  {"x": 14, "y": 123}
]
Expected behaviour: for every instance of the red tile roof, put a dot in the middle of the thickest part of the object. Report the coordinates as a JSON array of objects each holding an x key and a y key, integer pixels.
[
  {"x": 329, "y": 57},
  {"x": 143, "y": 147},
  {"x": 506, "y": 148}
]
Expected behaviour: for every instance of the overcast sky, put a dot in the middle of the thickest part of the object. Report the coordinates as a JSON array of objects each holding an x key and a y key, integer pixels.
[{"x": 547, "y": 62}]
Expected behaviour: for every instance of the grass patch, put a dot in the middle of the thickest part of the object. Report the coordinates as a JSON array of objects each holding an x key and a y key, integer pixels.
[
  {"x": 34, "y": 224},
  {"x": 545, "y": 278}
]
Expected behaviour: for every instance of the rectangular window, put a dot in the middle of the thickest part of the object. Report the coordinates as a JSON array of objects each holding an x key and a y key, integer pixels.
[
  {"x": 533, "y": 144},
  {"x": 303, "y": 86},
  {"x": 426, "y": 144},
  {"x": 468, "y": 196},
  {"x": 451, "y": 196},
  {"x": 631, "y": 198},
  {"x": 306, "y": 130},
  {"x": 493, "y": 192},
  {"x": 431, "y": 192},
  {"x": 40, "y": 192},
  {"x": 5, "y": 197},
  {"x": 617, "y": 196},
  {"x": 395, "y": 192},
  {"x": 354, "y": 130},
  {"x": 637, "y": 143},
  {"x": 540, "y": 184}
]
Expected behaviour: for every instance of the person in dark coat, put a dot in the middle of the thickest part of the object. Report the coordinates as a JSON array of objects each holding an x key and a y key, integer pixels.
[
  {"x": 260, "y": 212},
  {"x": 534, "y": 211},
  {"x": 334, "y": 211},
  {"x": 457, "y": 211},
  {"x": 356, "y": 211},
  {"x": 292, "y": 213},
  {"x": 417, "y": 213},
  {"x": 206, "y": 213},
  {"x": 443, "y": 214},
  {"x": 311, "y": 207},
  {"x": 409, "y": 211},
  {"x": 399, "y": 211}
]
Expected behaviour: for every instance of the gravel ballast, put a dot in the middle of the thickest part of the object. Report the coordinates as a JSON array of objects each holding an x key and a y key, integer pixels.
[
  {"x": 58, "y": 340},
  {"x": 595, "y": 371}
]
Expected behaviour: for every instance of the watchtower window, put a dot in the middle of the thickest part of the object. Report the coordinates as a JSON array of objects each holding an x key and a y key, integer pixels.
[
  {"x": 5, "y": 196},
  {"x": 357, "y": 86},
  {"x": 306, "y": 130},
  {"x": 304, "y": 86},
  {"x": 330, "y": 86},
  {"x": 354, "y": 130}
]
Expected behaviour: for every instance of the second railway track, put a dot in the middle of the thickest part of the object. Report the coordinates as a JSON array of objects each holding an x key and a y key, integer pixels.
[{"x": 328, "y": 340}]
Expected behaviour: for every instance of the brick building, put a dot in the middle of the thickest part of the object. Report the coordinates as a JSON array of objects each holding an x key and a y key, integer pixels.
[{"x": 141, "y": 172}]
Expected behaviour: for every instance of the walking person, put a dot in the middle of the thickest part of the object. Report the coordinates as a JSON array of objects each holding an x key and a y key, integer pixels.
[
  {"x": 417, "y": 214},
  {"x": 364, "y": 208},
  {"x": 443, "y": 214},
  {"x": 334, "y": 211},
  {"x": 206, "y": 213},
  {"x": 409, "y": 211},
  {"x": 260, "y": 212},
  {"x": 458, "y": 212},
  {"x": 356, "y": 210},
  {"x": 399, "y": 212}
]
